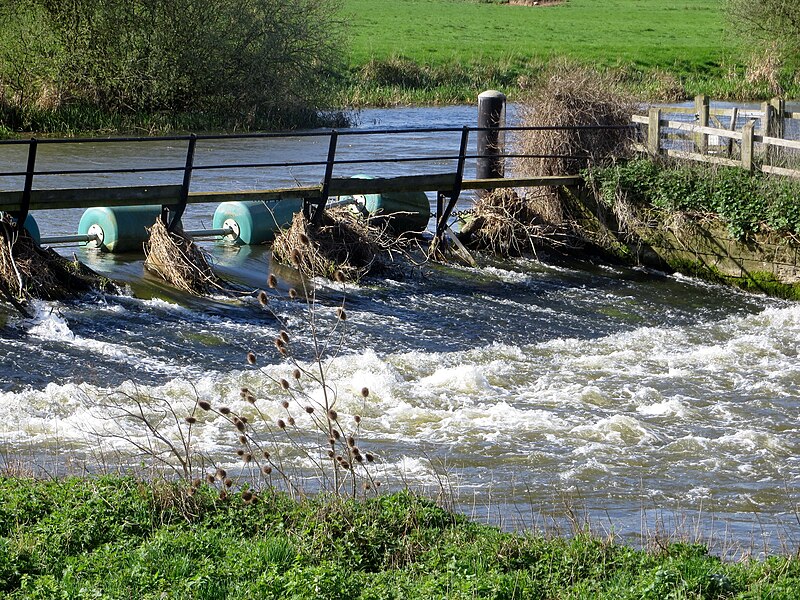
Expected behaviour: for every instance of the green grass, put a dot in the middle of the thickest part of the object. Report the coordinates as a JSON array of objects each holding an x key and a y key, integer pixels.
[
  {"x": 118, "y": 538},
  {"x": 443, "y": 51},
  {"x": 686, "y": 35}
]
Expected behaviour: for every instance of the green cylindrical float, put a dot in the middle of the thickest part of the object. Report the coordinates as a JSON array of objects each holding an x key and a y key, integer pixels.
[
  {"x": 119, "y": 228},
  {"x": 255, "y": 222},
  {"x": 33, "y": 228},
  {"x": 405, "y": 211}
]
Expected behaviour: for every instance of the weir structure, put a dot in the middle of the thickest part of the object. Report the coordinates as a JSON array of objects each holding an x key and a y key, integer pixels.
[{"x": 491, "y": 158}]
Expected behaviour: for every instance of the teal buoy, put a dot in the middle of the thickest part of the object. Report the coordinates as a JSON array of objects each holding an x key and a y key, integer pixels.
[
  {"x": 33, "y": 228},
  {"x": 255, "y": 222},
  {"x": 119, "y": 228},
  {"x": 406, "y": 211}
]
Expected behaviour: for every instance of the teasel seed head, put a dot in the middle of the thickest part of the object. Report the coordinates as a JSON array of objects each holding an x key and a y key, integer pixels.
[
  {"x": 279, "y": 343},
  {"x": 331, "y": 454},
  {"x": 243, "y": 419},
  {"x": 263, "y": 299},
  {"x": 345, "y": 465},
  {"x": 358, "y": 457},
  {"x": 272, "y": 281},
  {"x": 239, "y": 424},
  {"x": 336, "y": 434},
  {"x": 247, "y": 495},
  {"x": 367, "y": 486},
  {"x": 365, "y": 392},
  {"x": 242, "y": 439},
  {"x": 370, "y": 457},
  {"x": 292, "y": 293},
  {"x": 284, "y": 336},
  {"x": 204, "y": 405},
  {"x": 377, "y": 484},
  {"x": 296, "y": 373},
  {"x": 340, "y": 314},
  {"x": 285, "y": 403},
  {"x": 221, "y": 474},
  {"x": 332, "y": 441},
  {"x": 338, "y": 276},
  {"x": 197, "y": 483},
  {"x": 223, "y": 495},
  {"x": 243, "y": 392},
  {"x": 304, "y": 239},
  {"x": 284, "y": 384},
  {"x": 228, "y": 482},
  {"x": 296, "y": 256},
  {"x": 266, "y": 469},
  {"x": 290, "y": 420},
  {"x": 190, "y": 420},
  {"x": 281, "y": 424},
  {"x": 267, "y": 454},
  {"x": 250, "y": 398},
  {"x": 251, "y": 358},
  {"x": 210, "y": 478},
  {"x": 351, "y": 441},
  {"x": 333, "y": 415},
  {"x": 357, "y": 419},
  {"x": 247, "y": 458},
  {"x": 240, "y": 452},
  {"x": 309, "y": 409},
  {"x": 225, "y": 410}
]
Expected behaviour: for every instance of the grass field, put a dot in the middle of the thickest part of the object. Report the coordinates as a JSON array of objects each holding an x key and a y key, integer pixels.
[
  {"x": 682, "y": 34},
  {"x": 430, "y": 51}
]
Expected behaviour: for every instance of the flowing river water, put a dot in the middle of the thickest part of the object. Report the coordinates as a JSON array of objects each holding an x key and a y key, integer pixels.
[{"x": 526, "y": 389}]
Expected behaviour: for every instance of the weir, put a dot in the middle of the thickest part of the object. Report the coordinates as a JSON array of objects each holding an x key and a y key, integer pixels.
[{"x": 385, "y": 195}]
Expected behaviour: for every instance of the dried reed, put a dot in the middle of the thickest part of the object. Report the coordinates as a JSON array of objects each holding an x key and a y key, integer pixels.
[
  {"x": 174, "y": 257},
  {"x": 345, "y": 245}
]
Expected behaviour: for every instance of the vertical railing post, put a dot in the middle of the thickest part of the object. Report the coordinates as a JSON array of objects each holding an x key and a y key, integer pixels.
[
  {"x": 180, "y": 207},
  {"x": 491, "y": 140},
  {"x": 701, "y": 109},
  {"x": 654, "y": 131},
  {"x": 443, "y": 211},
  {"x": 325, "y": 187},
  {"x": 747, "y": 146},
  {"x": 25, "y": 203}
]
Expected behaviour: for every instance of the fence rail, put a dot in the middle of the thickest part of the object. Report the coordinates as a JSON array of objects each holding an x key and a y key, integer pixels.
[{"x": 751, "y": 139}]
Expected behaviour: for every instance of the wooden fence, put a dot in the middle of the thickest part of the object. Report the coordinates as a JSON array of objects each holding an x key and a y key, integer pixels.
[{"x": 738, "y": 137}]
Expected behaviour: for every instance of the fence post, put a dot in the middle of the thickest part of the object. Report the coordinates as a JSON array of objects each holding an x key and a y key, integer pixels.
[
  {"x": 766, "y": 120},
  {"x": 701, "y": 109},
  {"x": 776, "y": 127},
  {"x": 747, "y": 146},
  {"x": 491, "y": 113},
  {"x": 654, "y": 131}
]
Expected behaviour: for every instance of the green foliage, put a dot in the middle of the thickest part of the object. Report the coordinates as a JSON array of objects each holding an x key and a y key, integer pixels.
[
  {"x": 246, "y": 63},
  {"x": 118, "y": 538},
  {"x": 746, "y": 202}
]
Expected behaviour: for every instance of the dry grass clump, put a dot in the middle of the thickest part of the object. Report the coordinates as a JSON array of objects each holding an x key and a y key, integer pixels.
[
  {"x": 344, "y": 246},
  {"x": 179, "y": 261},
  {"x": 573, "y": 96},
  {"x": 508, "y": 224},
  {"x": 28, "y": 271}
]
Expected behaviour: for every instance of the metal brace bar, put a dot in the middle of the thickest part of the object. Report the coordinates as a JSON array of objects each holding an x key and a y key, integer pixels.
[
  {"x": 326, "y": 183},
  {"x": 187, "y": 179},
  {"x": 444, "y": 212},
  {"x": 25, "y": 201}
]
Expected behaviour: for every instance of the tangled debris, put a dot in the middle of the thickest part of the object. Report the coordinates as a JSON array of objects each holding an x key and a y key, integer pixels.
[
  {"x": 175, "y": 258},
  {"x": 28, "y": 271},
  {"x": 507, "y": 224},
  {"x": 345, "y": 245},
  {"x": 595, "y": 117}
]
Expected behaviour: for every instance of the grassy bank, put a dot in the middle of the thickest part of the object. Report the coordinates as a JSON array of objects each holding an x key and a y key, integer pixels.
[
  {"x": 118, "y": 538},
  {"x": 449, "y": 50}
]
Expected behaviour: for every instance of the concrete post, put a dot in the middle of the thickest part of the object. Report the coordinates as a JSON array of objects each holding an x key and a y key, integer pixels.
[{"x": 491, "y": 113}]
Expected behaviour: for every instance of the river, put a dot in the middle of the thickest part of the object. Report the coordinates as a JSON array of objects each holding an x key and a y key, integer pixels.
[{"x": 525, "y": 389}]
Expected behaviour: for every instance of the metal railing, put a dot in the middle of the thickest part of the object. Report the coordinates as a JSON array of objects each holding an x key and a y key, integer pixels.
[{"x": 448, "y": 186}]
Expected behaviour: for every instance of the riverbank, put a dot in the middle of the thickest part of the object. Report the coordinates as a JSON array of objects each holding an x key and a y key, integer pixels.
[{"x": 114, "y": 537}]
